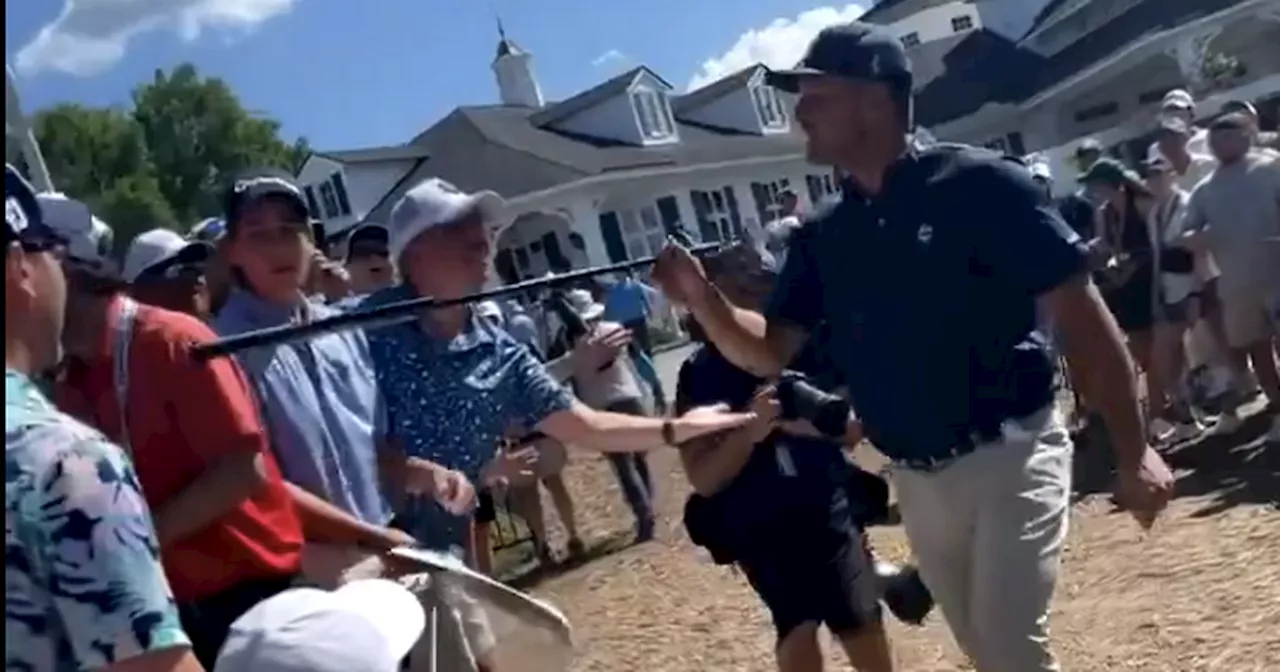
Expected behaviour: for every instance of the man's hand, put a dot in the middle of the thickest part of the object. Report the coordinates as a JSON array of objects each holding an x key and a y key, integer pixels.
[
  {"x": 451, "y": 488},
  {"x": 510, "y": 466},
  {"x": 680, "y": 275},
  {"x": 705, "y": 420},
  {"x": 1145, "y": 488},
  {"x": 766, "y": 409},
  {"x": 595, "y": 351},
  {"x": 390, "y": 538}
]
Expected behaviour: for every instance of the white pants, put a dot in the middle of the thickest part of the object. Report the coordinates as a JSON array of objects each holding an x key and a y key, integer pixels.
[{"x": 987, "y": 531}]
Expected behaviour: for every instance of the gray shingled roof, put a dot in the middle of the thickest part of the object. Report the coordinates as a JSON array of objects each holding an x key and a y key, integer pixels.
[
  {"x": 893, "y": 11},
  {"x": 596, "y": 94},
  {"x": 715, "y": 90},
  {"x": 956, "y": 75}
]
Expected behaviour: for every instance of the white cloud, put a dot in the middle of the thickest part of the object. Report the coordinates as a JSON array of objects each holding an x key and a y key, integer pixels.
[
  {"x": 780, "y": 44},
  {"x": 91, "y": 36},
  {"x": 608, "y": 57}
]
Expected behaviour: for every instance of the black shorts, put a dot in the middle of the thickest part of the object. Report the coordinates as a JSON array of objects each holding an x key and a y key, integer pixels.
[
  {"x": 826, "y": 578},
  {"x": 486, "y": 512}
]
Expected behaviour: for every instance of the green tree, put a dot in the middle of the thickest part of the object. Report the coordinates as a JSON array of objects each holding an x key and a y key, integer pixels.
[
  {"x": 98, "y": 155},
  {"x": 198, "y": 133}
]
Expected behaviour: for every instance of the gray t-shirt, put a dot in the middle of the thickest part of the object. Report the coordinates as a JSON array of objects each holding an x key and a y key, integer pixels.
[{"x": 1238, "y": 206}]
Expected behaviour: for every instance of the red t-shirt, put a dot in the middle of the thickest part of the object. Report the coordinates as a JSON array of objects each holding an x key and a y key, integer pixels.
[{"x": 182, "y": 416}]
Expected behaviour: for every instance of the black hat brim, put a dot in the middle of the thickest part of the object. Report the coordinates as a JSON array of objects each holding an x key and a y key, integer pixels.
[{"x": 789, "y": 80}]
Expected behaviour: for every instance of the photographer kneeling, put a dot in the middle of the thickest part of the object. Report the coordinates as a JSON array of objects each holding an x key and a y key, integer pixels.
[{"x": 782, "y": 500}]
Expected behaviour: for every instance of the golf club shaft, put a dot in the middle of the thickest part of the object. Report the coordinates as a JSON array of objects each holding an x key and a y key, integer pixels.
[{"x": 400, "y": 311}]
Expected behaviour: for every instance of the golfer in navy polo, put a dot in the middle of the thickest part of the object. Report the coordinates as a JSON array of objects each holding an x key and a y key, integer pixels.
[{"x": 928, "y": 273}]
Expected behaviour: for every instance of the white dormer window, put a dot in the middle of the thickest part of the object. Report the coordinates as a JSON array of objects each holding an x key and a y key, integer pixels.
[
  {"x": 654, "y": 112},
  {"x": 911, "y": 39},
  {"x": 962, "y": 23},
  {"x": 769, "y": 106}
]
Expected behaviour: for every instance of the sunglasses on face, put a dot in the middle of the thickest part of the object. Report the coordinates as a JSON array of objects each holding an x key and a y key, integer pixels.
[{"x": 172, "y": 271}]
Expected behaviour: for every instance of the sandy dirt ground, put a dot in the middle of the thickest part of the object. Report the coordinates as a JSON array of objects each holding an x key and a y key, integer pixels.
[{"x": 1198, "y": 593}]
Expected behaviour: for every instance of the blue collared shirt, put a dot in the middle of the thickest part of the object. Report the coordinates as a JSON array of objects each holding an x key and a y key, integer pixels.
[
  {"x": 929, "y": 294},
  {"x": 450, "y": 401},
  {"x": 322, "y": 405}
]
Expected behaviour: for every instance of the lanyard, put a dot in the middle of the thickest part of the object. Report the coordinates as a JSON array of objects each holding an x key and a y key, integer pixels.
[{"x": 120, "y": 365}]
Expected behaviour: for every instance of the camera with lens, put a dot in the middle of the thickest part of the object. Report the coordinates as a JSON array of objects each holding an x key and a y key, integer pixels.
[{"x": 802, "y": 400}]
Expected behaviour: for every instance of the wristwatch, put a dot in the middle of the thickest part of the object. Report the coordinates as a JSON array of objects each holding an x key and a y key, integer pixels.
[{"x": 668, "y": 432}]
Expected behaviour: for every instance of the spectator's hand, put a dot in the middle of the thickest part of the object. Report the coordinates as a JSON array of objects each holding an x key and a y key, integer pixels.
[
  {"x": 390, "y": 538},
  {"x": 766, "y": 409},
  {"x": 454, "y": 492},
  {"x": 595, "y": 351},
  {"x": 680, "y": 275},
  {"x": 511, "y": 466},
  {"x": 705, "y": 420},
  {"x": 1145, "y": 488}
]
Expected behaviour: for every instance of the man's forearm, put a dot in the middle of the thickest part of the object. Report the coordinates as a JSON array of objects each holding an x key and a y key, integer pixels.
[
  {"x": 711, "y": 468},
  {"x": 324, "y": 522},
  {"x": 1094, "y": 345},
  {"x": 230, "y": 480},
  {"x": 738, "y": 334}
]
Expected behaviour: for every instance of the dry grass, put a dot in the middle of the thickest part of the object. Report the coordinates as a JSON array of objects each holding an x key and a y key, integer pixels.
[{"x": 1200, "y": 593}]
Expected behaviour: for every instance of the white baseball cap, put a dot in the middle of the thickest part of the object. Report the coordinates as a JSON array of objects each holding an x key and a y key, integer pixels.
[
  {"x": 432, "y": 203},
  {"x": 1178, "y": 99},
  {"x": 365, "y": 626},
  {"x": 89, "y": 239},
  {"x": 159, "y": 246}
]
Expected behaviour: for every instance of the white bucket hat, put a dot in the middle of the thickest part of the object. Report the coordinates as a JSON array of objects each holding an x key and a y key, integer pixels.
[
  {"x": 365, "y": 626},
  {"x": 433, "y": 203}
]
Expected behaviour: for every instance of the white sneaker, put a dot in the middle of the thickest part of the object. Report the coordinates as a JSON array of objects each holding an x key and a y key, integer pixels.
[
  {"x": 1185, "y": 431},
  {"x": 1228, "y": 423},
  {"x": 1160, "y": 431}
]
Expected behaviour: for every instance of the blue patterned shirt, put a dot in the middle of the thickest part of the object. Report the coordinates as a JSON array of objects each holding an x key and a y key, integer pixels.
[
  {"x": 84, "y": 588},
  {"x": 450, "y": 401}
]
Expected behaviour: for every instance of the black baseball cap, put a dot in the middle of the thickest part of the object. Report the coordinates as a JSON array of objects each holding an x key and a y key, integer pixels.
[
  {"x": 23, "y": 219},
  {"x": 1108, "y": 171},
  {"x": 254, "y": 185},
  {"x": 853, "y": 50}
]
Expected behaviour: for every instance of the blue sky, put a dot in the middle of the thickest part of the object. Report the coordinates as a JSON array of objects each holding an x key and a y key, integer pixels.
[{"x": 355, "y": 73}]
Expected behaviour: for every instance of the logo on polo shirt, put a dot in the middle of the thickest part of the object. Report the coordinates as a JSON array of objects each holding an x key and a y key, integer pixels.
[
  {"x": 14, "y": 215},
  {"x": 924, "y": 234}
]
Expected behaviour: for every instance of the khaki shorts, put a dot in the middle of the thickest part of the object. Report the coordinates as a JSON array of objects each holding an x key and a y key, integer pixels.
[{"x": 1248, "y": 314}]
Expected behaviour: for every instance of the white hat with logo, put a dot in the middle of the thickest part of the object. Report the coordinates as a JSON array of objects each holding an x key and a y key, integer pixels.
[
  {"x": 433, "y": 203},
  {"x": 160, "y": 246},
  {"x": 366, "y": 625}
]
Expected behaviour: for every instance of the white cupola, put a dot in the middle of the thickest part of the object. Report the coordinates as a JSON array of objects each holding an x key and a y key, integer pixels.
[{"x": 513, "y": 68}]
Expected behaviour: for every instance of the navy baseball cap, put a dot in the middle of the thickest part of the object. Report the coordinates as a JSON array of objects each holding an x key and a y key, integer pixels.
[
  {"x": 23, "y": 218},
  {"x": 853, "y": 50},
  {"x": 252, "y": 186}
]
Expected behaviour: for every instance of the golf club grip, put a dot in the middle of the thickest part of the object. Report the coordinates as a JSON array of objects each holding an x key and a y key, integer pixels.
[{"x": 393, "y": 313}]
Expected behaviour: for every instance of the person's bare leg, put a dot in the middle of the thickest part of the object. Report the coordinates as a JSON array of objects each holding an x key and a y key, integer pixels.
[
  {"x": 799, "y": 650},
  {"x": 481, "y": 549},
  {"x": 528, "y": 505},
  {"x": 868, "y": 649},
  {"x": 563, "y": 502},
  {"x": 1262, "y": 355}
]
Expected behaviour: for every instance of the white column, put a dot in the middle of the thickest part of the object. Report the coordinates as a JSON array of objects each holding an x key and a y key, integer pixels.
[
  {"x": 1190, "y": 53},
  {"x": 584, "y": 218},
  {"x": 17, "y": 125}
]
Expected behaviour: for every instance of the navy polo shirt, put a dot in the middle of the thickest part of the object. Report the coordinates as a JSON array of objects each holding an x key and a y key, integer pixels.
[{"x": 928, "y": 291}]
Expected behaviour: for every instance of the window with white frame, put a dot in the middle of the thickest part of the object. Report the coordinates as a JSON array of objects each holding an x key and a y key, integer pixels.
[
  {"x": 330, "y": 200},
  {"x": 714, "y": 205},
  {"x": 821, "y": 187},
  {"x": 911, "y": 39},
  {"x": 642, "y": 232},
  {"x": 653, "y": 110},
  {"x": 962, "y": 23},
  {"x": 768, "y": 196},
  {"x": 769, "y": 106}
]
